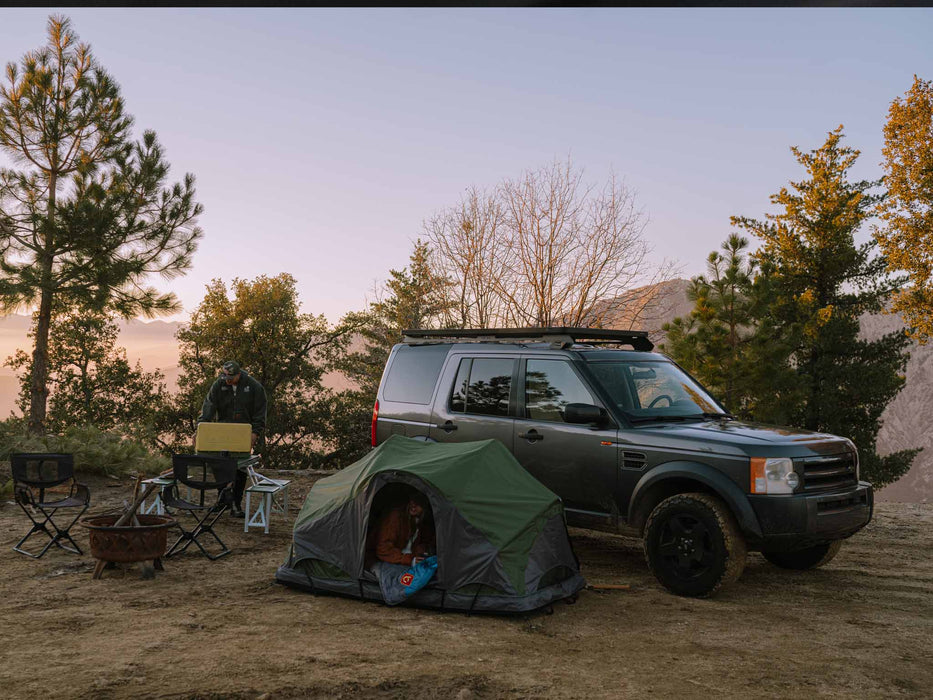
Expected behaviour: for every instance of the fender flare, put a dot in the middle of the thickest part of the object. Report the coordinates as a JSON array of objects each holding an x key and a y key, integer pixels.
[{"x": 714, "y": 479}]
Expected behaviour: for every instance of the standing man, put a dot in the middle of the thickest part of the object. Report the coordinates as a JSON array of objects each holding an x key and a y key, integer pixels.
[{"x": 236, "y": 398}]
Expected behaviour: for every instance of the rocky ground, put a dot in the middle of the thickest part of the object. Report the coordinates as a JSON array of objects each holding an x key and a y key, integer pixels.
[{"x": 861, "y": 627}]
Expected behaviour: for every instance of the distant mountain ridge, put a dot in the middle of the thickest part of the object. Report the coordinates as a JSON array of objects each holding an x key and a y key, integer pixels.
[{"x": 906, "y": 420}]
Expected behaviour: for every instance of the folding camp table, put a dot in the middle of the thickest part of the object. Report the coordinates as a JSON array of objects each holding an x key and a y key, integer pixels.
[
  {"x": 157, "y": 506},
  {"x": 264, "y": 495},
  {"x": 266, "y": 489}
]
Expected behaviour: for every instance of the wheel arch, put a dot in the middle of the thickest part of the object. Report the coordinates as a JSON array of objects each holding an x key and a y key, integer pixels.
[{"x": 672, "y": 478}]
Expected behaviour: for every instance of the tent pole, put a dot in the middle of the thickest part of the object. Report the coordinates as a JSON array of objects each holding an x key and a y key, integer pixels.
[
  {"x": 475, "y": 596},
  {"x": 310, "y": 582}
]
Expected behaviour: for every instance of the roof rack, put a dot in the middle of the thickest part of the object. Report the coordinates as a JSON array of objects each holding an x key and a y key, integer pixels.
[{"x": 561, "y": 336}]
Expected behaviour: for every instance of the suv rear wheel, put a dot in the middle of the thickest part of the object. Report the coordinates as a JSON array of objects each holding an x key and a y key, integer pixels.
[
  {"x": 803, "y": 559},
  {"x": 693, "y": 544}
]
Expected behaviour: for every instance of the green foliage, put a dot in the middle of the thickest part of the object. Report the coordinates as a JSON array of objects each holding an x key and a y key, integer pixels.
[
  {"x": 713, "y": 342},
  {"x": 286, "y": 351},
  {"x": 91, "y": 382},
  {"x": 413, "y": 297},
  {"x": 89, "y": 215},
  {"x": 906, "y": 237},
  {"x": 779, "y": 336},
  {"x": 95, "y": 451}
]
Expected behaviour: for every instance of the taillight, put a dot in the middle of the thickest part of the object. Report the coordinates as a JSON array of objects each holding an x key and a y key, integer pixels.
[{"x": 375, "y": 418}]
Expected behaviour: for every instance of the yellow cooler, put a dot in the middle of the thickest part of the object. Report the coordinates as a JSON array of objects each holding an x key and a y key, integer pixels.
[{"x": 223, "y": 437}]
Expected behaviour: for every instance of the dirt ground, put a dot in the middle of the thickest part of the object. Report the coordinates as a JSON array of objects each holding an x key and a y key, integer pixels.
[{"x": 861, "y": 627}]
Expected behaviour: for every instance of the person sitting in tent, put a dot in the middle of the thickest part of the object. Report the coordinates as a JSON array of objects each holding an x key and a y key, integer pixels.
[{"x": 405, "y": 534}]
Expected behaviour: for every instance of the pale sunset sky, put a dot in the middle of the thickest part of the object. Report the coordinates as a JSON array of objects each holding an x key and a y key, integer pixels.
[{"x": 322, "y": 139}]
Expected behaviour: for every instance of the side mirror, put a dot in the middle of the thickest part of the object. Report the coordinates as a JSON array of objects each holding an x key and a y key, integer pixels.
[{"x": 584, "y": 414}]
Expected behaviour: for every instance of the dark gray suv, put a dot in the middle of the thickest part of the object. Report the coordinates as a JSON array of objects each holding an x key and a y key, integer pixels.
[{"x": 628, "y": 439}]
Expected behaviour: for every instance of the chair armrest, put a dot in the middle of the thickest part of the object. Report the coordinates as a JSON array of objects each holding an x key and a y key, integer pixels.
[
  {"x": 81, "y": 491},
  {"x": 23, "y": 495},
  {"x": 225, "y": 497}
]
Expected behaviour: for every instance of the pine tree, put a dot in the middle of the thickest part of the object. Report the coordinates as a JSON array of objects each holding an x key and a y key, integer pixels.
[
  {"x": 821, "y": 283},
  {"x": 88, "y": 216},
  {"x": 906, "y": 237},
  {"x": 414, "y": 297},
  {"x": 417, "y": 296},
  {"x": 717, "y": 341}
]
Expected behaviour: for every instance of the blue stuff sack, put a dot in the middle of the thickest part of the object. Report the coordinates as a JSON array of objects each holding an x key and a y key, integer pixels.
[
  {"x": 421, "y": 573},
  {"x": 398, "y": 582}
]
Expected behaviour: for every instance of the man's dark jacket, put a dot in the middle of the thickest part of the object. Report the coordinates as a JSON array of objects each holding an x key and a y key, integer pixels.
[{"x": 247, "y": 405}]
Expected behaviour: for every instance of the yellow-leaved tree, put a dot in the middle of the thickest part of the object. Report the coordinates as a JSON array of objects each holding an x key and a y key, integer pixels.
[{"x": 906, "y": 234}]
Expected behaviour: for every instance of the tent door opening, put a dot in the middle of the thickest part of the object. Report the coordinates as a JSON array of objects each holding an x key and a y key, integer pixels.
[{"x": 392, "y": 534}]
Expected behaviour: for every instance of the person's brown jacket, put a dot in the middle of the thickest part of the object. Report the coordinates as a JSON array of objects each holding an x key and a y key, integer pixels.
[{"x": 394, "y": 530}]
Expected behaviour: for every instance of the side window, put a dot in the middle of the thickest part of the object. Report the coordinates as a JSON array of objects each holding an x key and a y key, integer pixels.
[
  {"x": 482, "y": 386},
  {"x": 413, "y": 373},
  {"x": 549, "y": 386}
]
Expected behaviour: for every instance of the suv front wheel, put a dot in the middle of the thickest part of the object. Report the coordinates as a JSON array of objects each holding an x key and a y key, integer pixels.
[{"x": 693, "y": 544}]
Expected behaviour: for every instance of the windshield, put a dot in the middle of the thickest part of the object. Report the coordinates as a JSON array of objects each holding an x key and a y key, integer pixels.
[{"x": 647, "y": 391}]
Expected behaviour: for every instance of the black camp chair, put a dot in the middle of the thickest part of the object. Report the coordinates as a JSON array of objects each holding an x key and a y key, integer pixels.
[
  {"x": 41, "y": 472},
  {"x": 201, "y": 473}
]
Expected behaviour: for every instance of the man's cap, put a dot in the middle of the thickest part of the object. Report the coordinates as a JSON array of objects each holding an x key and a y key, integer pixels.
[{"x": 231, "y": 367}]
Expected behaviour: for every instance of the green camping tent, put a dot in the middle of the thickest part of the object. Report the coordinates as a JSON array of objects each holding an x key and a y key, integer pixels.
[{"x": 502, "y": 543}]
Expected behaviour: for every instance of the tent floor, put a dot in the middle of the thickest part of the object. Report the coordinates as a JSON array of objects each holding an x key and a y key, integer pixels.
[{"x": 435, "y": 598}]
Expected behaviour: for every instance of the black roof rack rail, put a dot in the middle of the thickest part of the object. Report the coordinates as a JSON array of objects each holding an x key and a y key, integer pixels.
[{"x": 560, "y": 336}]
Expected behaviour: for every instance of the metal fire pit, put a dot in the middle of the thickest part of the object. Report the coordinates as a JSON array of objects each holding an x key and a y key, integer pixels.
[{"x": 146, "y": 542}]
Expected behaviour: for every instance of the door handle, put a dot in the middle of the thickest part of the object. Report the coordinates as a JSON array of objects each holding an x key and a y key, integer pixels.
[
  {"x": 531, "y": 436},
  {"x": 447, "y": 427}
]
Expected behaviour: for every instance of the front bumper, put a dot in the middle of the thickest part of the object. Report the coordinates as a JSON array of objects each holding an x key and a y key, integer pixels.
[{"x": 794, "y": 522}]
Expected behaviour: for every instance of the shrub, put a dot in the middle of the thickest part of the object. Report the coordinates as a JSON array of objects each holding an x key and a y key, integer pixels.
[{"x": 95, "y": 451}]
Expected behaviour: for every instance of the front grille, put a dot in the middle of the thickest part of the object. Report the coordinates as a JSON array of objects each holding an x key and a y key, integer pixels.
[
  {"x": 828, "y": 473},
  {"x": 839, "y": 505}
]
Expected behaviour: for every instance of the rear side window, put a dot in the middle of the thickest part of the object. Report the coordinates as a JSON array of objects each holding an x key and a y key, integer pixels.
[
  {"x": 413, "y": 373},
  {"x": 483, "y": 386}
]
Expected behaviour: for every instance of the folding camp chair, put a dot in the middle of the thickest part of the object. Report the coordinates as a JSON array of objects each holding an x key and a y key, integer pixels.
[
  {"x": 201, "y": 473},
  {"x": 43, "y": 472}
]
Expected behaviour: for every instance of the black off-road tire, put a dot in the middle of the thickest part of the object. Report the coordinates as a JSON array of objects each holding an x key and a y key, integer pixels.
[
  {"x": 693, "y": 544},
  {"x": 803, "y": 559}
]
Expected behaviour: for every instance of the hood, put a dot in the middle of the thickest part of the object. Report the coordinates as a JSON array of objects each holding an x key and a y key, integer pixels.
[{"x": 739, "y": 437}]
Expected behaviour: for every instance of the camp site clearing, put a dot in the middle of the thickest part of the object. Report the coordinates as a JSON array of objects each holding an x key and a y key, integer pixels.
[{"x": 860, "y": 627}]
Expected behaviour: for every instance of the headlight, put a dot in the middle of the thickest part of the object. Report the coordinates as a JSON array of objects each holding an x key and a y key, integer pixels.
[
  {"x": 855, "y": 457},
  {"x": 773, "y": 475}
]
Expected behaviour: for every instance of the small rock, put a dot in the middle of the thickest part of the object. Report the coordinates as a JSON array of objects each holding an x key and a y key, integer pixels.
[{"x": 464, "y": 694}]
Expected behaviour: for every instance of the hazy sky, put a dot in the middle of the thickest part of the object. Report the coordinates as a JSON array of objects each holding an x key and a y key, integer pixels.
[{"x": 322, "y": 139}]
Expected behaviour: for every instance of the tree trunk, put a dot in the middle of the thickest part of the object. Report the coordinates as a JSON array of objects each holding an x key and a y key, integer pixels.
[{"x": 39, "y": 390}]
